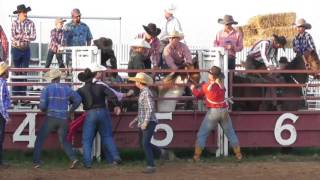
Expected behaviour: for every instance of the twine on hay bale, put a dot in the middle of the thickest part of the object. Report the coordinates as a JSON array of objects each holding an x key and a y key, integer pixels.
[
  {"x": 287, "y": 31},
  {"x": 249, "y": 30},
  {"x": 273, "y": 20}
]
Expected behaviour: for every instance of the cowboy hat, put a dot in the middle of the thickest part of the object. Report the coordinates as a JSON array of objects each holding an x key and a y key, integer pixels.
[
  {"x": 175, "y": 33},
  {"x": 97, "y": 68},
  {"x": 140, "y": 43},
  {"x": 59, "y": 20},
  {"x": 152, "y": 29},
  {"x": 303, "y": 23},
  {"x": 143, "y": 78},
  {"x": 171, "y": 9},
  {"x": 103, "y": 43},
  {"x": 52, "y": 74},
  {"x": 86, "y": 75},
  {"x": 21, "y": 8},
  {"x": 3, "y": 67},
  {"x": 227, "y": 19}
]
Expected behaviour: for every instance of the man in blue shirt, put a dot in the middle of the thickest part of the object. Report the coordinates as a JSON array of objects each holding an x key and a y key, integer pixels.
[{"x": 54, "y": 101}]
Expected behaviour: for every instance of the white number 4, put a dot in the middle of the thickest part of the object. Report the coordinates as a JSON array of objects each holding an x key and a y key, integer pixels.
[
  {"x": 31, "y": 136},
  {"x": 279, "y": 128}
]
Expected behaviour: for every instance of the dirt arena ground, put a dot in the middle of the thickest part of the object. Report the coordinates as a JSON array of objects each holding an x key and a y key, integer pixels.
[{"x": 181, "y": 170}]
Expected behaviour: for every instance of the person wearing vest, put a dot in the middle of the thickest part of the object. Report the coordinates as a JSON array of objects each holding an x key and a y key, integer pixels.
[
  {"x": 263, "y": 54},
  {"x": 213, "y": 92}
]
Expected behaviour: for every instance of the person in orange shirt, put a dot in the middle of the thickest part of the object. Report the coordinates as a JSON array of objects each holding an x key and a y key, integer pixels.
[{"x": 213, "y": 92}]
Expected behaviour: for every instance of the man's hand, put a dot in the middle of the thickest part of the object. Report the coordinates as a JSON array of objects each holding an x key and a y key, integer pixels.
[
  {"x": 132, "y": 123},
  {"x": 192, "y": 86},
  {"x": 117, "y": 110},
  {"x": 144, "y": 125},
  {"x": 130, "y": 93}
]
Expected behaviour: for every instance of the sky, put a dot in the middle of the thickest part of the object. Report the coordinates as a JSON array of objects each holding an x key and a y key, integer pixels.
[{"x": 198, "y": 18}]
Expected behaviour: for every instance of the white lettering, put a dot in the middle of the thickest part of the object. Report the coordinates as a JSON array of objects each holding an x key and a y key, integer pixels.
[{"x": 279, "y": 128}]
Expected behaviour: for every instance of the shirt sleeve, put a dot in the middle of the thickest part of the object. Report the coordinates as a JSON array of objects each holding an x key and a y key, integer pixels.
[
  {"x": 111, "y": 96},
  {"x": 198, "y": 93},
  {"x": 264, "y": 56},
  {"x": 187, "y": 54},
  {"x": 44, "y": 100},
  {"x": 239, "y": 43},
  {"x": 147, "y": 105},
  {"x": 32, "y": 35},
  {"x": 75, "y": 98},
  {"x": 5, "y": 100},
  {"x": 168, "y": 58}
]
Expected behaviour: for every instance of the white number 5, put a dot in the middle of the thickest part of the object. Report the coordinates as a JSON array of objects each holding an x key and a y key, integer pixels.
[{"x": 279, "y": 128}]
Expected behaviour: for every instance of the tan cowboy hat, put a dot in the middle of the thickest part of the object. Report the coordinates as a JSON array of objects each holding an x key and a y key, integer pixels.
[
  {"x": 97, "y": 68},
  {"x": 59, "y": 20},
  {"x": 227, "y": 19},
  {"x": 143, "y": 78},
  {"x": 175, "y": 33},
  {"x": 303, "y": 23},
  {"x": 140, "y": 43},
  {"x": 171, "y": 9},
  {"x": 53, "y": 74},
  {"x": 3, "y": 67}
]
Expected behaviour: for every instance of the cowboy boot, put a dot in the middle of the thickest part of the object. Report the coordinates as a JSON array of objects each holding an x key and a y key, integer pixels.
[
  {"x": 197, "y": 153},
  {"x": 237, "y": 153}
]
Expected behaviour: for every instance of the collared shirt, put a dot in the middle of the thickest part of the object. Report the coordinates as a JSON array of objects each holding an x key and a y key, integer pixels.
[
  {"x": 55, "y": 99},
  {"x": 22, "y": 33},
  {"x": 171, "y": 24},
  {"x": 234, "y": 37},
  {"x": 4, "y": 49},
  {"x": 152, "y": 53},
  {"x": 118, "y": 94},
  {"x": 214, "y": 95},
  {"x": 56, "y": 36},
  {"x": 302, "y": 43},
  {"x": 4, "y": 98},
  {"x": 176, "y": 56},
  {"x": 77, "y": 34},
  {"x": 264, "y": 52},
  {"x": 146, "y": 108}
]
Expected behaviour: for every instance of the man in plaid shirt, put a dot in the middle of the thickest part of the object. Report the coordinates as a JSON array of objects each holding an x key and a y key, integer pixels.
[{"x": 4, "y": 50}]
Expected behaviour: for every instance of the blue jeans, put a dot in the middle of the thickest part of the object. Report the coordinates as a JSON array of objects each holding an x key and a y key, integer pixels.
[
  {"x": 214, "y": 116},
  {"x": 98, "y": 120},
  {"x": 49, "y": 125},
  {"x": 20, "y": 59},
  {"x": 148, "y": 147},
  {"x": 50, "y": 57},
  {"x": 2, "y": 133}
]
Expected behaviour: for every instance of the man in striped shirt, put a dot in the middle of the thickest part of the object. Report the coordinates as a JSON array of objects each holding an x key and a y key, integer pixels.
[
  {"x": 230, "y": 39},
  {"x": 263, "y": 54},
  {"x": 23, "y": 31}
]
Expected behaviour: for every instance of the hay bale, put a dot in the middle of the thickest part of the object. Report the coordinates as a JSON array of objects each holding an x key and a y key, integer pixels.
[
  {"x": 249, "y": 41},
  {"x": 249, "y": 30},
  {"x": 273, "y": 20},
  {"x": 287, "y": 31}
]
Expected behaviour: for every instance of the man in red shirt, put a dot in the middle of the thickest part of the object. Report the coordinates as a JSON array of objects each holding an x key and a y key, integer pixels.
[{"x": 213, "y": 93}]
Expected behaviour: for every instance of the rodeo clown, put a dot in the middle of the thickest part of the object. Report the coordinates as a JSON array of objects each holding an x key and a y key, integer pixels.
[{"x": 213, "y": 92}]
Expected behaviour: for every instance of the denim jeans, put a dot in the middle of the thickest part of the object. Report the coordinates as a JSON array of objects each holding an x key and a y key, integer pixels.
[
  {"x": 214, "y": 116},
  {"x": 149, "y": 149},
  {"x": 20, "y": 59},
  {"x": 50, "y": 57},
  {"x": 49, "y": 125},
  {"x": 98, "y": 120},
  {"x": 2, "y": 133}
]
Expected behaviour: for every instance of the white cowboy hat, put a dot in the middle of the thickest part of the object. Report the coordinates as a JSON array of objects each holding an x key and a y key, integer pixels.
[
  {"x": 171, "y": 9},
  {"x": 140, "y": 43},
  {"x": 143, "y": 78},
  {"x": 303, "y": 23},
  {"x": 52, "y": 74},
  {"x": 3, "y": 67},
  {"x": 97, "y": 68},
  {"x": 175, "y": 33}
]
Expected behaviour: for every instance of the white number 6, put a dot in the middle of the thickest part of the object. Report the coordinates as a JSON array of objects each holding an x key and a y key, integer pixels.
[{"x": 279, "y": 128}]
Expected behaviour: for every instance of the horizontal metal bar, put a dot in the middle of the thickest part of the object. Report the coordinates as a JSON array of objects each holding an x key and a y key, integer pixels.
[{"x": 68, "y": 17}]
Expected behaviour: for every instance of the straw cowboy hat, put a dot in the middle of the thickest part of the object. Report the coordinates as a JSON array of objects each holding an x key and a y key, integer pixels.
[
  {"x": 140, "y": 43},
  {"x": 3, "y": 67},
  {"x": 52, "y": 74},
  {"x": 59, "y": 20},
  {"x": 227, "y": 19},
  {"x": 152, "y": 29},
  {"x": 171, "y": 9},
  {"x": 21, "y": 8},
  {"x": 175, "y": 33},
  {"x": 97, "y": 68},
  {"x": 103, "y": 43},
  {"x": 303, "y": 23},
  {"x": 143, "y": 78}
]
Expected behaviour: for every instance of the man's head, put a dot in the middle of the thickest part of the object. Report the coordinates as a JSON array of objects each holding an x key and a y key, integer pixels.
[
  {"x": 53, "y": 75},
  {"x": 22, "y": 12},
  {"x": 302, "y": 25},
  {"x": 139, "y": 45},
  {"x": 76, "y": 16},
  {"x": 59, "y": 23},
  {"x": 98, "y": 71},
  {"x": 169, "y": 11},
  {"x": 175, "y": 37},
  {"x": 279, "y": 41}
]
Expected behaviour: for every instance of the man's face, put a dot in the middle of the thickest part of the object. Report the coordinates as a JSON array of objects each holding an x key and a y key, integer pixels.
[
  {"x": 76, "y": 18},
  {"x": 167, "y": 14},
  {"x": 301, "y": 29},
  {"x": 174, "y": 40},
  {"x": 23, "y": 15},
  {"x": 59, "y": 25}
]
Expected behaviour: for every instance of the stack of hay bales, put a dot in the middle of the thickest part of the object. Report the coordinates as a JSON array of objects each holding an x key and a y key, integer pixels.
[{"x": 263, "y": 27}]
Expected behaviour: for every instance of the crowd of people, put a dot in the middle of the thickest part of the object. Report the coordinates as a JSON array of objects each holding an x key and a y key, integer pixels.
[{"x": 154, "y": 48}]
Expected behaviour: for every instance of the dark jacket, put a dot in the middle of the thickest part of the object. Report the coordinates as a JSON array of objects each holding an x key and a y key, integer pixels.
[
  {"x": 136, "y": 62},
  {"x": 93, "y": 96}
]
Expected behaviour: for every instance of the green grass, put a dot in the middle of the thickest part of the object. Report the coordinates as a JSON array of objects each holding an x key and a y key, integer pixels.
[{"x": 57, "y": 159}]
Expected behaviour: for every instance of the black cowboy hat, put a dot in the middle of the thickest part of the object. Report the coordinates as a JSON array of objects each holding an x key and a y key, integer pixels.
[
  {"x": 21, "y": 8},
  {"x": 103, "y": 43},
  {"x": 152, "y": 29},
  {"x": 86, "y": 75}
]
